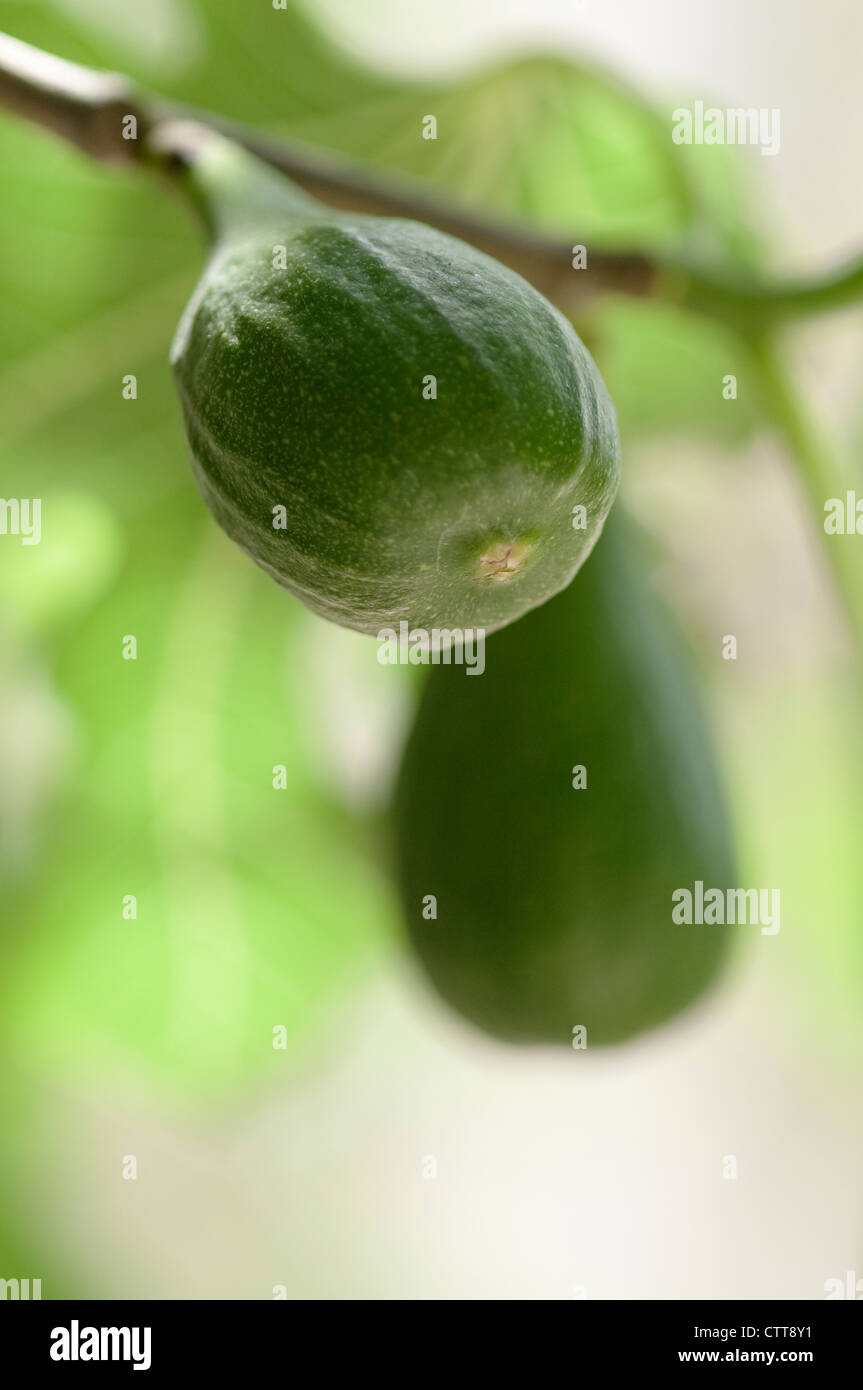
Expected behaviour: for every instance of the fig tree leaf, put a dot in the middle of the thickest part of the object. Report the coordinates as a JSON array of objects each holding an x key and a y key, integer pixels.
[{"x": 561, "y": 146}]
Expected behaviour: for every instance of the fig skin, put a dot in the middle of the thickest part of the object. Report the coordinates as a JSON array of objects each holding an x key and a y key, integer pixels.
[{"x": 301, "y": 374}]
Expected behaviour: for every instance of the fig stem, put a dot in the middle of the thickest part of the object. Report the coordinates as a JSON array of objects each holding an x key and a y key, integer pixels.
[{"x": 228, "y": 186}]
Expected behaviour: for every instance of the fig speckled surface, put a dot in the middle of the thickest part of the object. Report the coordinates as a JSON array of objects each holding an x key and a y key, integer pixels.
[{"x": 301, "y": 381}]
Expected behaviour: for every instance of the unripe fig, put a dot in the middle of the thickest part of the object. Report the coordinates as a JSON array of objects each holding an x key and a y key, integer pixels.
[
  {"x": 553, "y": 891},
  {"x": 392, "y": 424}
]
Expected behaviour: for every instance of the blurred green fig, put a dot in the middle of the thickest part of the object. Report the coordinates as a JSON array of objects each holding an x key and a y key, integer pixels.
[{"x": 547, "y": 809}]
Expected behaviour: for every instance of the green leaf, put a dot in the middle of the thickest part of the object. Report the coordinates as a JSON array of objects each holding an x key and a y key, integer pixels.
[{"x": 561, "y": 146}]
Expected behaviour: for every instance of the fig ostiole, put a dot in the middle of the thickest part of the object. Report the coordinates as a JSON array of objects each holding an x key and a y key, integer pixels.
[{"x": 393, "y": 425}]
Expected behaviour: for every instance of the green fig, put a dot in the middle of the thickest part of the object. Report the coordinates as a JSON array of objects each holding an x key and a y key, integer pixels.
[
  {"x": 393, "y": 425},
  {"x": 551, "y": 807}
]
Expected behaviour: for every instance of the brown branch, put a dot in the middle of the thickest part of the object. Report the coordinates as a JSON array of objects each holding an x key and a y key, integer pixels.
[{"x": 81, "y": 105}]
